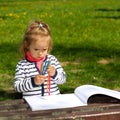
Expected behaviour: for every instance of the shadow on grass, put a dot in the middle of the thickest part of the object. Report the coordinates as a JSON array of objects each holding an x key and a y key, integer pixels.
[
  {"x": 62, "y": 51},
  {"x": 67, "y": 89},
  {"x": 108, "y": 10},
  {"x": 5, "y": 95},
  {"x": 84, "y": 51},
  {"x": 108, "y": 17},
  {"x": 9, "y": 47}
]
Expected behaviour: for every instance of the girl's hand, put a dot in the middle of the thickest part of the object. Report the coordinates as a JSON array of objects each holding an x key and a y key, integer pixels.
[
  {"x": 39, "y": 79},
  {"x": 51, "y": 70}
]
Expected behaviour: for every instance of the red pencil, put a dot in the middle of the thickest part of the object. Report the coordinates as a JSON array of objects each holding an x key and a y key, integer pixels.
[{"x": 48, "y": 85}]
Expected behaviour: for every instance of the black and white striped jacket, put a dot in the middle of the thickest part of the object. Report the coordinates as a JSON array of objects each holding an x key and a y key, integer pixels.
[{"x": 26, "y": 71}]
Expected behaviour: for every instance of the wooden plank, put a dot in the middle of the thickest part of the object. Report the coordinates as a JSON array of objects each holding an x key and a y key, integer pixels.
[
  {"x": 13, "y": 105},
  {"x": 18, "y": 109},
  {"x": 90, "y": 112},
  {"x": 9, "y": 102}
]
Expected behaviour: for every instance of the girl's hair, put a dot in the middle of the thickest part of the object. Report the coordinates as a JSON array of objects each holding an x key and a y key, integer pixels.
[{"x": 34, "y": 30}]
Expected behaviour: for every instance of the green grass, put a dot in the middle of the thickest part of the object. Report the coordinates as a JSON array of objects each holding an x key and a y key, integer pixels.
[{"x": 86, "y": 36}]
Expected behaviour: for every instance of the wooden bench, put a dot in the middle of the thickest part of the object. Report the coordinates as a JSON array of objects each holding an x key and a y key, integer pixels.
[{"x": 19, "y": 110}]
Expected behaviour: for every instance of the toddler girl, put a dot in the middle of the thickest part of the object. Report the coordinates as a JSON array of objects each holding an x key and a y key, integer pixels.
[{"x": 38, "y": 72}]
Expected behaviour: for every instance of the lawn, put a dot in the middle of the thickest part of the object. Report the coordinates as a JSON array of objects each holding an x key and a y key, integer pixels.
[{"x": 86, "y": 37}]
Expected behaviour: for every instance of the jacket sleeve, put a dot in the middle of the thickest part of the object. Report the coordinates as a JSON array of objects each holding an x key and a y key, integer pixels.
[
  {"x": 21, "y": 82},
  {"x": 60, "y": 75}
]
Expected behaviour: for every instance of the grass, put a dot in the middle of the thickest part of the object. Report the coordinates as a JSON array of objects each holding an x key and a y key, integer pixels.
[{"x": 86, "y": 36}]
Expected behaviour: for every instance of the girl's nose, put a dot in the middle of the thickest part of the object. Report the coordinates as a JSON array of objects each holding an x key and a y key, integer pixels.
[{"x": 40, "y": 53}]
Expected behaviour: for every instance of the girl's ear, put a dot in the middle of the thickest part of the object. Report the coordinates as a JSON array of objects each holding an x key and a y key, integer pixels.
[{"x": 26, "y": 46}]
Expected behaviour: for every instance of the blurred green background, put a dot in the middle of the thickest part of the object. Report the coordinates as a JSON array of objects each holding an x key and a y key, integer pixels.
[{"x": 86, "y": 37}]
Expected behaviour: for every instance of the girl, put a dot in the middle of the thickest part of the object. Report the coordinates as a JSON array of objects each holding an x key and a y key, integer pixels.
[{"x": 38, "y": 73}]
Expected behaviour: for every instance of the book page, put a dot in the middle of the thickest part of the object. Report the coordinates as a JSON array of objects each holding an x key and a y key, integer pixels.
[
  {"x": 85, "y": 91},
  {"x": 53, "y": 101}
]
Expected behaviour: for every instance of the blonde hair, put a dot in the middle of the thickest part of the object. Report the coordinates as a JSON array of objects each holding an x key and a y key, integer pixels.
[{"x": 34, "y": 30}]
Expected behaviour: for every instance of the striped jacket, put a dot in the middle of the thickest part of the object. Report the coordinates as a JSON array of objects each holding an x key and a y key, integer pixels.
[{"x": 26, "y": 71}]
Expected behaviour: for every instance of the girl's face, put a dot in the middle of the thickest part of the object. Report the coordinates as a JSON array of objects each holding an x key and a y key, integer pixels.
[{"x": 39, "y": 48}]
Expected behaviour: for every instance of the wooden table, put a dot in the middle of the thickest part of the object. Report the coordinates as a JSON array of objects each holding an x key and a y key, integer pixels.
[{"x": 19, "y": 110}]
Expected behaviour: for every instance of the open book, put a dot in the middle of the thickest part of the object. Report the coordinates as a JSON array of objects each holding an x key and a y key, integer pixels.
[{"x": 81, "y": 97}]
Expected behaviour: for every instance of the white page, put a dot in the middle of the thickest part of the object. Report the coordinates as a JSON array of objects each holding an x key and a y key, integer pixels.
[
  {"x": 53, "y": 101},
  {"x": 85, "y": 91}
]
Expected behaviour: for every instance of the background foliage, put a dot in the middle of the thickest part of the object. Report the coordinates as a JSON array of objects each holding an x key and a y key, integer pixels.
[{"x": 86, "y": 36}]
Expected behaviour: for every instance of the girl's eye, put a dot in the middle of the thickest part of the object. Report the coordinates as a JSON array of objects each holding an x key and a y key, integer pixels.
[
  {"x": 44, "y": 49},
  {"x": 41, "y": 50},
  {"x": 36, "y": 49}
]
